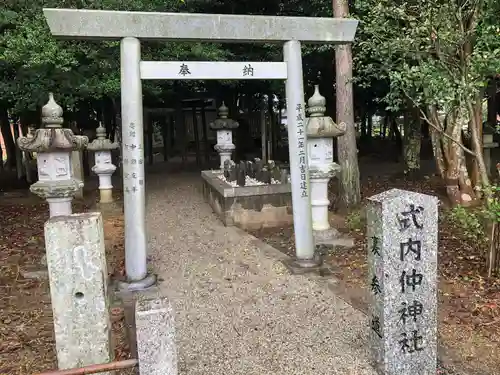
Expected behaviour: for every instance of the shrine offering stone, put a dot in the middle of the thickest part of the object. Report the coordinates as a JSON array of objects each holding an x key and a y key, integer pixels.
[
  {"x": 402, "y": 230},
  {"x": 155, "y": 329},
  {"x": 78, "y": 279}
]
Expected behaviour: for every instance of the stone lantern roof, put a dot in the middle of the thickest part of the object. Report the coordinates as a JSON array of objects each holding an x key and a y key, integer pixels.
[
  {"x": 52, "y": 137},
  {"x": 102, "y": 143},
  {"x": 319, "y": 125},
  {"x": 223, "y": 122}
]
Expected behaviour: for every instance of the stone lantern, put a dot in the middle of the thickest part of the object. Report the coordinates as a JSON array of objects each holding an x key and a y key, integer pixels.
[
  {"x": 53, "y": 145},
  {"x": 320, "y": 132},
  {"x": 103, "y": 167},
  {"x": 224, "y": 127},
  {"x": 488, "y": 144}
]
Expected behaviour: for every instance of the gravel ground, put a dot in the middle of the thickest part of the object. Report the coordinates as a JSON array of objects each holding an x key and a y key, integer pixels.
[{"x": 238, "y": 311}]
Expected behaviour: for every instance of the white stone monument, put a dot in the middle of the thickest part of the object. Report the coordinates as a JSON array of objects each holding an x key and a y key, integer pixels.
[
  {"x": 224, "y": 127},
  {"x": 104, "y": 168},
  {"x": 54, "y": 145},
  {"x": 320, "y": 132},
  {"x": 76, "y": 261},
  {"x": 131, "y": 27}
]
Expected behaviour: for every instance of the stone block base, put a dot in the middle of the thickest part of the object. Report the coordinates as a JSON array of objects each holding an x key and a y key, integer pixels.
[{"x": 249, "y": 207}]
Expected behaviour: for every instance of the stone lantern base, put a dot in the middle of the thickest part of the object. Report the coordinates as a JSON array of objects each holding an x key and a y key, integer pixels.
[{"x": 58, "y": 194}]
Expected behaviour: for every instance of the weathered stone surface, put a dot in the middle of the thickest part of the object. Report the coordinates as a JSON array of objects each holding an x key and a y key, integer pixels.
[
  {"x": 402, "y": 232},
  {"x": 249, "y": 207},
  {"x": 78, "y": 286},
  {"x": 103, "y": 24},
  {"x": 155, "y": 329}
]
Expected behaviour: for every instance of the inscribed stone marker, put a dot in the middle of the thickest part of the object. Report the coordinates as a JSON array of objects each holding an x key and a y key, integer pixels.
[
  {"x": 78, "y": 276},
  {"x": 155, "y": 329},
  {"x": 402, "y": 229}
]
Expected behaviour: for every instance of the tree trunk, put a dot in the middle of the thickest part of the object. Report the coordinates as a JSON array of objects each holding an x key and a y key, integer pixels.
[
  {"x": 18, "y": 152},
  {"x": 206, "y": 145},
  {"x": 347, "y": 150},
  {"x": 412, "y": 140},
  {"x": 492, "y": 103},
  {"x": 450, "y": 158},
  {"x": 384, "y": 126},
  {"x": 369, "y": 130},
  {"x": 476, "y": 127},
  {"x": 452, "y": 155},
  {"x": 8, "y": 138},
  {"x": 476, "y": 138},
  {"x": 273, "y": 132},
  {"x": 364, "y": 125}
]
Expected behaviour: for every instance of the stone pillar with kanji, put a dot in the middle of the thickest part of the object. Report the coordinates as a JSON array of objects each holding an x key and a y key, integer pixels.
[
  {"x": 104, "y": 168},
  {"x": 402, "y": 243},
  {"x": 53, "y": 146},
  {"x": 224, "y": 127},
  {"x": 320, "y": 132}
]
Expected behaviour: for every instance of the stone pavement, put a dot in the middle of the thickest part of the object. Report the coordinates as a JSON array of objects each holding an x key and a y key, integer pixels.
[{"x": 238, "y": 311}]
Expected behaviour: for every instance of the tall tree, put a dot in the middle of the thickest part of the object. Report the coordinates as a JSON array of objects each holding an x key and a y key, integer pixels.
[
  {"x": 438, "y": 55},
  {"x": 347, "y": 150}
]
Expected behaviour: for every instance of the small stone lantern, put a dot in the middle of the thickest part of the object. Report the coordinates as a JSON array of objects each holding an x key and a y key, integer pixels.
[
  {"x": 320, "y": 131},
  {"x": 53, "y": 145},
  {"x": 103, "y": 167},
  {"x": 224, "y": 127}
]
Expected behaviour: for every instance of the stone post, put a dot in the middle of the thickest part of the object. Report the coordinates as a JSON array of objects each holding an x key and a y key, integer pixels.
[
  {"x": 488, "y": 144},
  {"x": 134, "y": 187},
  {"x": 224, "y": 127},
  {"x": 54, "y": 145},
  {"x": 320, "y": 132},
  {"x": 299, "y": 176},
  {"x": 402, "y": 234},
  {"x": 155, "y": 332},
  {"x": 103, "y": 167},
  {"x": 76, "y": 261}
]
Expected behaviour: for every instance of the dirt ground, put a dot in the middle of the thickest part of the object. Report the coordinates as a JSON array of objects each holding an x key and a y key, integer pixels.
[
  {"x": 469, "y": 302},
  {"x": 26, "y": 329}
]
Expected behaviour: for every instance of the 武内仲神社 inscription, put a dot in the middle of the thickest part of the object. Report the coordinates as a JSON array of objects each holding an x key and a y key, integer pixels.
[{"x": 402, "y": 257}]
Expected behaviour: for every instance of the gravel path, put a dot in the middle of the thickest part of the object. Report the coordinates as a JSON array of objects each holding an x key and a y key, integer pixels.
[{"x": 238, "y": 311}]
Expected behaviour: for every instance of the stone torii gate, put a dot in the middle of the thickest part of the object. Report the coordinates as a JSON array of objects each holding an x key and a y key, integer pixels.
[{"x": 130, "y": 27}]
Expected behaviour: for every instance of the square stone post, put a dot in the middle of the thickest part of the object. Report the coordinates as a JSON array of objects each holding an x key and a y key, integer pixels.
[
  {"x": 155, "y": 330},
  {"x": 402, "y": 231},
  {"x": 78, "y": 277}
]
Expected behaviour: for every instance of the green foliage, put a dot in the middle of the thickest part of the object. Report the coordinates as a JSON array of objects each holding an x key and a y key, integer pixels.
[
  {"x": 434, "y": 52},
  {"x": 491, "y": 210},
  {"x": 470, "y": 223},
  {"x": 34, "y": 62},
  {"x": 355, "y": 220}
]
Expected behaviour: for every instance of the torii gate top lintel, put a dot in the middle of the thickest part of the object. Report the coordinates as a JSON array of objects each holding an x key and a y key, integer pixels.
[{"x": 104, "y": 24}]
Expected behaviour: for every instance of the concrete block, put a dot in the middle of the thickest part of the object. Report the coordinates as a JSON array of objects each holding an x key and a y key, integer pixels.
[{"x": 78, "y": 277}]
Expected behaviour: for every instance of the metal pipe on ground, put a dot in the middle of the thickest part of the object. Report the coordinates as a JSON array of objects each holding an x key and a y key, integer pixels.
[{"x": 95, "y": 369}]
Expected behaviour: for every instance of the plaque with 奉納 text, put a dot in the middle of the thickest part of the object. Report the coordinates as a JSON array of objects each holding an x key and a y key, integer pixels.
[{"x": 402, "y": 228}]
